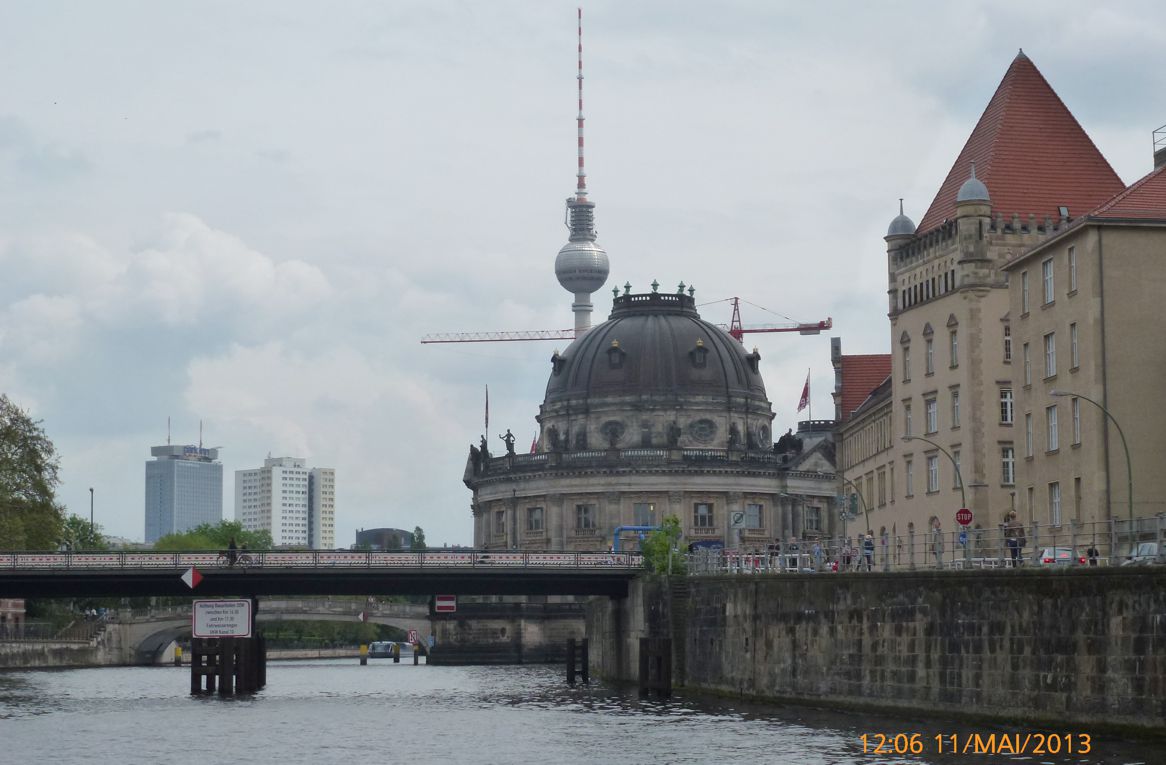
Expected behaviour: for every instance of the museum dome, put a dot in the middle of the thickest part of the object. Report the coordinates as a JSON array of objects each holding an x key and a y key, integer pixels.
[{"x": 656, "y": 374}]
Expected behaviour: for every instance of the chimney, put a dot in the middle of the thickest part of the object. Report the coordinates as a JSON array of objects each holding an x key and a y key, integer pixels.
[{"x": 1160, "y": 147}]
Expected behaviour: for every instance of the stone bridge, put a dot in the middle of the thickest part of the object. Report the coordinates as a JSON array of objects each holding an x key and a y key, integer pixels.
[{"x": 142, "y": 635}]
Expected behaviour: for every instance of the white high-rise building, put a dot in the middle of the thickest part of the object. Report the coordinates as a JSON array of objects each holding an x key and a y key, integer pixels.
[{"x": 296, "y": 504}]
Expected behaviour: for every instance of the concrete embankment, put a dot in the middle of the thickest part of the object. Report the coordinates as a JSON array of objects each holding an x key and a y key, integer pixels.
[{"x": 1069, "y": 647}]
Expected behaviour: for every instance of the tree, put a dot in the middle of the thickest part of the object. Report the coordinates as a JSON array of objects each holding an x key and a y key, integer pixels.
[
  {"x": 79, "y": 534},
  {"x": 393, "y": 543},
  {"x": 661, "y": 545},
  {"x": 215, "y": 536},
  {"x": 418, "y": 539},
  {"x": 30, "y": 518}
]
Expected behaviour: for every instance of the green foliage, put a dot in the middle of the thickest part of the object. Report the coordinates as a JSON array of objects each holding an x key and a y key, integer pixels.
[
  {"x": 307, "y": 634},
  {"x": 215, "y": 536},
  {"x": 30, "y": 518},
  {"x": 418, "y": 539},
  {"x": 393, "y": 543},
  {"x": 662, "y": 544},
  {"x": 78, "y": 534}
]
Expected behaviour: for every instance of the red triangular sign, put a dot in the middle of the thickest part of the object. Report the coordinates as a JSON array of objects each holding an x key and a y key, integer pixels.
[
  {"x": 362, "y": 616},
  {"x": 192, "y": 577}
]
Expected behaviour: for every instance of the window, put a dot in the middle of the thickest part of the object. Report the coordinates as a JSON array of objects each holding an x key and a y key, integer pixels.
[
  {"x": 1027, "y": 365},
  {"x": 1028, "y": 434},
  {"x": 929, "y": 356},
  {"x": 1072, "y": 269},
  {"x": 906, "y": 363},
  {"x": 534, "y": 519},
  {"x": 644, "y": 513},
  {"x": 1006, "y": 406},
  {"x": 882, "y": 488},
  {"x": 931, "y": 409},
  {"x": 909, "y": 471},
  {"x": 499, "y": 521},
  {"x": 958, "y": 477},
  {"x": 1024, "y": 292},
  {"x": 1074, "y": 356},
  {"x": 702, "y": 515},
  {"x": 1054, "y": 504},
  {"x": 813, "y": 519},
  {"x": 1051, "y": 428},
  {"x": 584, "y": 516},
  {"x": 932, "y": 474},
  {"x": 1007, "y": 343},
  {"x": 1007, "y": 465},
  {"x": 1050, "y": 354},
  {"x": 1076, "y": 420},
  {"x": 1046, "y": 268},
  {"x": 955, "y": 408},
  {"x": 955, "y": 348},
  {"x": 753, "y": 515},
  {"x": 907, "y": 419}
]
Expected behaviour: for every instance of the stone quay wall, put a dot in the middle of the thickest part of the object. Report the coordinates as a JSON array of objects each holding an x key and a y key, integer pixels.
[
  {"x": 1081, "y": 646},
  {"x": 505, "y": 633}
]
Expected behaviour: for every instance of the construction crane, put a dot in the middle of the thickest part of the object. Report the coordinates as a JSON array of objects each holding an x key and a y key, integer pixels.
[{"x": 734, "y": 328}]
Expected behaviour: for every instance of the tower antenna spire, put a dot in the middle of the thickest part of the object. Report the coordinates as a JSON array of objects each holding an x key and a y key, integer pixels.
[{"x": 581, "y": 180}]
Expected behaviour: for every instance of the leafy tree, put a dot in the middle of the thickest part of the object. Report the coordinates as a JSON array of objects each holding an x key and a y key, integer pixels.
[
  {"x": 216, "y": 536},
  {"x": 30, "y": 517},
  {"x": 661, "y": 545},
  {"x": 393, "y": 543},
  {"x": 79, "y": 534},
  {"x": 418, "y": 539}
]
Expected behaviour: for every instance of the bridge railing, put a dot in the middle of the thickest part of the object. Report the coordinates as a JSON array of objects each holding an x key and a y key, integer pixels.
[{"x": 282, "y": 559}]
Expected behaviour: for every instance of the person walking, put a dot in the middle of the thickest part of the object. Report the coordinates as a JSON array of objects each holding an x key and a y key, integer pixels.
[
  {"x": 1013, "y": 538},
  {"x": 868, "y": 548},
  {"x": 937, "y": 542}
]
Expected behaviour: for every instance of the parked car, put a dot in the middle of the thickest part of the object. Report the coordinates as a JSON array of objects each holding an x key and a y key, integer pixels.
[
  {"x": 1061, "y": 556},
  {"x": 1145, "y": 554}
]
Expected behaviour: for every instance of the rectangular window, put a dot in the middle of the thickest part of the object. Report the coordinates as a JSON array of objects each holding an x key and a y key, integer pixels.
[
  {"x": 955, "y": 408},
  {"x": 929, "y": 356},
  {"x": 931, "y": 408},
  {"x": 932, "y": 474},
  {"x": 1007, "y": 465},
  {"x": 1076, "y": 420},
  {"x": 882, "y": 488},
  {"x": 499, "y": 521},
  {"x": 1050, "y": 354},
  {"x": 534, "y": 519},
  {"x": 1024, "y": 292},
  {"x": 1027, "y": 365},
  {"x": 906, "y": 363},
  {"x": 1031, "y": 502},
  {"x": 955, "y": 348},
  {"x": 753, "y": 515},
  {"x": 1051, "y": 428},
  {"x": 1028, "y": 434},
  {"x": 644, "y": 513},
  {"x": 1006, "y": 406},
  {"x": 907, "y": 420},
  {"x": 958, "y": 477},
  {"x": 1046, "y": 268},
  {"x": 702, "y": 515},
  {"x": 909, "y": 476},
  {"x": 1072, "y": 269},
  {"x": 584, "y": 516},
  {"x": 1074, "y": 357},
  {"x": 1054, "y": 504},
  {"x": 1007, "y": 343},
  {"x": 813, "y": 519}
]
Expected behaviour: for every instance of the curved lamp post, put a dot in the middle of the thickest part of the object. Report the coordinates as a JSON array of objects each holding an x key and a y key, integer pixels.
[
  {"x": 1129, "y": 465},
  {"x": 958, "y": 476},
  {"x": 862, "y": 499}
]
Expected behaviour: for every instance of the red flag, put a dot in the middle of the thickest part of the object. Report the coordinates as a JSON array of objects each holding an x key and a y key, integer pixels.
[
  {"x": 534, "y": 445},
  {"x": 804, "y": 401}
]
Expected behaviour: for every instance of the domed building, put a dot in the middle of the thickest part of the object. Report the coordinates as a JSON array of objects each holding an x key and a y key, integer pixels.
[{"x": 654, "y": 412}]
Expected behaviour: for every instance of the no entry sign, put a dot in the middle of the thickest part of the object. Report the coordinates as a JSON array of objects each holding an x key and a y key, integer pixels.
[{"x": 445, "y": 604}]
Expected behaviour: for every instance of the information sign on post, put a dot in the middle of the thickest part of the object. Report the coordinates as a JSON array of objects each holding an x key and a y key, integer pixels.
[
  {"x": 964, "y": 516},
  {"x": 221, "y": 618}
]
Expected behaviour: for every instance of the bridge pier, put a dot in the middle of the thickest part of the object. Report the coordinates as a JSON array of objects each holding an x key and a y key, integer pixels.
[{"x": 228, "y": 665}]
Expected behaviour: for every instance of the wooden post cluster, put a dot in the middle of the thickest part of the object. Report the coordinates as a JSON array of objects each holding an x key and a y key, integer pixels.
[
  {"x": 656, "y": 666},
  {"x": 229, "y": 665},
  {"x": 577, "y": 661}
]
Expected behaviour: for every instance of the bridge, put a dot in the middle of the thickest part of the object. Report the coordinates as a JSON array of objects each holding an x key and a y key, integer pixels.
[{"x": 286, "y": 573}]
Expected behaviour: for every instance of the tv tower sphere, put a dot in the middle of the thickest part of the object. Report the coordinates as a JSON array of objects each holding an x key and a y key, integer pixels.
[{"x": 581, "y": 266}]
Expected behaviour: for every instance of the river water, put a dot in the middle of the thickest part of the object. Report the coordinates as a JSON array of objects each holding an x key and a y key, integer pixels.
[{"x": 335, "y": 711}]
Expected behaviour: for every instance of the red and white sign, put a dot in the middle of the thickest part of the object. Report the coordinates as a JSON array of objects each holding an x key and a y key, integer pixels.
[
  {"x": 963, "y": 516},
  {"x": 414, "y": 637},
  {"x": 445, "y": 604},
  {"x": 221, "y": 618},
  {"x": 192, "y": 577}
]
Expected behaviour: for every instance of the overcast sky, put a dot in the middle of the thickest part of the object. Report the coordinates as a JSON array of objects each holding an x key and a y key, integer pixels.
[{"x": 249, "y": 213}]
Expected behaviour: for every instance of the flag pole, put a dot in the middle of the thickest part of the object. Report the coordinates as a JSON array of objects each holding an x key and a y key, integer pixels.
[{"x": 809, "y": 399}]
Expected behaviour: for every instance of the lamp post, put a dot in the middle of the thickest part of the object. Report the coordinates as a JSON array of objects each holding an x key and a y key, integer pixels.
[
  {"x": 1126, "y": 447},
  {"x": 958, "y": 476},
  {"x": 91, "y": 507},
  {"x": 862, "y": 499}
]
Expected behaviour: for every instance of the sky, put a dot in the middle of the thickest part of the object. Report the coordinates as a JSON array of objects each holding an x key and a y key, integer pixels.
[{"x": 248, "y": 214}]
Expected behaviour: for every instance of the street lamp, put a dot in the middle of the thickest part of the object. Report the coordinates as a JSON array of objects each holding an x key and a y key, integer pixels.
[
  {"x": 862, "y": 499},
  {"x": 1129, "y": 465},
  {"x": 956, "y": 465},
  {"x": 90, "y": 507}
]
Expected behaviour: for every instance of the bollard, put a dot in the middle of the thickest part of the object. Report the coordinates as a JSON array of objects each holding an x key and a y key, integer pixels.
[
  {"x": 396, "y": 653},
  {"x": 178, "y": 656},
  {"x": 416, "y": 653},
  {"x": 363, "y": 655}
]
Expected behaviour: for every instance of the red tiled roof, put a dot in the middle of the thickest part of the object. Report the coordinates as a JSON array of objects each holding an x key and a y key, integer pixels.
[
  {"x": 860, "y": 375},
  {"x": 1030, "y": 152},
  {"x": 1143, "y": 200}
]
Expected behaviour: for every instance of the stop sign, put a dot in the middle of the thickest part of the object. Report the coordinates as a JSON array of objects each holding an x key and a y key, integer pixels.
[{"x": 963, "y": 516}]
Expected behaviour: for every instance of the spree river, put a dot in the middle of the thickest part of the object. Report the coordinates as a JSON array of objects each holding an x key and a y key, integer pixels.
[{"x": 335, "y": 711}]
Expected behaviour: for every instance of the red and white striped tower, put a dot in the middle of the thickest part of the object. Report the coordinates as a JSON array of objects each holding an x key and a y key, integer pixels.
[{"x": 581, "y": 265}]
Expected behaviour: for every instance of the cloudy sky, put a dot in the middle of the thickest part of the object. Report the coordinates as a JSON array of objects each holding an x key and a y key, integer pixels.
[{"x": 249, "y": 213}]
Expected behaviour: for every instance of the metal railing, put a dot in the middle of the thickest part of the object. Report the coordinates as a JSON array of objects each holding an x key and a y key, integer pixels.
[{"x": 1106, "y": 543}]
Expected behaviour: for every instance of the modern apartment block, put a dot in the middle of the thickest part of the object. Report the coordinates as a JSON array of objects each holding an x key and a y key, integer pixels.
[
  {"x": 184, "y": 489},
  {"x": 295, "y": 504}
]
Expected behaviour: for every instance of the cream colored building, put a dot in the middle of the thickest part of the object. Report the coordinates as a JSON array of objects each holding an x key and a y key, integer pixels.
[{"x": 1088, "y": 305}]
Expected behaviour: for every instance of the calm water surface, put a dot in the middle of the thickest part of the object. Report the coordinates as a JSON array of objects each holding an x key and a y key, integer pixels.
[{"x": 339, "y": 712}]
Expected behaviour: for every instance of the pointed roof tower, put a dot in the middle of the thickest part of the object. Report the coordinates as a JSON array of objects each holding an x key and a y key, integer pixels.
[{"x": 1030, "y": 152}]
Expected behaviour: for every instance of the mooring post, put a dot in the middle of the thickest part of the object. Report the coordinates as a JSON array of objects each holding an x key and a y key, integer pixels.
[
  {"x": 260, "y": 662},
  {"x": 570, "y": 661},
  {"x": 584, "y": 663},
  {"x": 396, "y": 653},
  {"x": 363, "y": 655},
  {"x": 226, "y": 666},
  {"x": 416, "y": 654},
  {"x": 177, "y": 655}
]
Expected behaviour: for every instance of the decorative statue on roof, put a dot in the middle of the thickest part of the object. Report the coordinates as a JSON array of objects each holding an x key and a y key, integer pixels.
[
  {"x": 788, "y": 443},
  {"x": 674, "y": 434},
  {"x": 484, "y": 449},
  {"x": 734, "y": 436},
  {"x": 553, "y": 437},
  {"x": 508, "y": 439}
]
